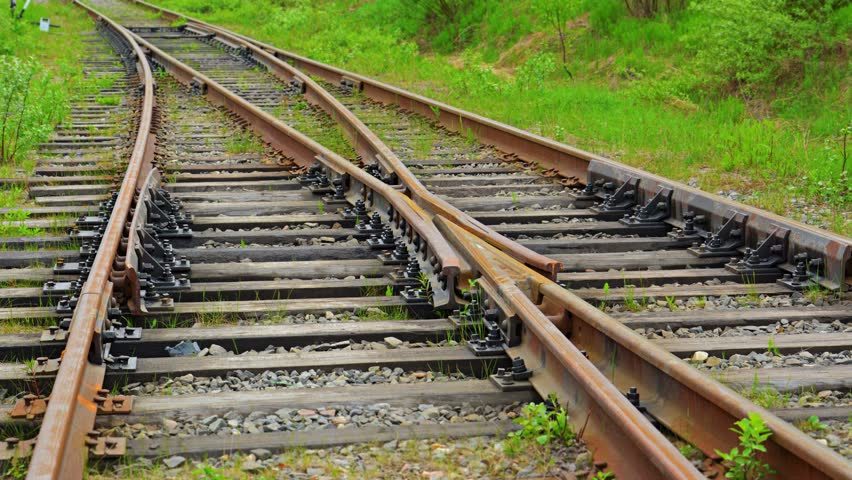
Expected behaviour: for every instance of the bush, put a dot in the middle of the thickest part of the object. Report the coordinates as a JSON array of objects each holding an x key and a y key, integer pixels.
[
  {"x": 29, "y": 106},
  {"x": 532, "y": 74},
  {"x": 749, "y": 44}
]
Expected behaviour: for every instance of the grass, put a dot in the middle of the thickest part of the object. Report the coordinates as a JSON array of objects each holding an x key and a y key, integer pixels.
[
  {"x": 243, "y": 142},
  {"x": 108, "y": 99},
  {"x": 374, "y": 461},
  {"x": 766, "y": 397},
  {"x": 12, "y": 225},
  {"x": 778, "y": 142},
  {"x": 383, "y": 313}
]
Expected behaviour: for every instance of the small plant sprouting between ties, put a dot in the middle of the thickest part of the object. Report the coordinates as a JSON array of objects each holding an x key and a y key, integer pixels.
[
  {"x": 744, "y": 464},
  {"x": 541, "y": 426},
  {"x": 772, "y": 348}
]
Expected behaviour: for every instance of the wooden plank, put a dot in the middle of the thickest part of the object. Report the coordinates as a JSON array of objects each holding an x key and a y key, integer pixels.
[
  {"x": 786, "y": 344},
  {"x": 732, "y": 318},
  {"x": 263, "y": 236},
  {"x": 238, "y": 207},
  {"x": 191, "y": 170},
  {"x": 482, "y": 191},
  {"x": 29, "y": 274},
  {"x": 200, "y": 223},
  {"x": 678, "y": 292},
  {"x": 536, "y": 216},
  {"x": 452, "y": 359},
  {"x": 228, "y": 184},
  {"x": 269, "y": 254},
  {"x": 497, "y": 203},
  {"x": 71, "y": 200},
  {"x": 611, "y": 228},
  {"x": 474, "y": 392},
  {"x": 249, "y": 308},
  {"x": 224, "y": 174},
  {"x": 69, "y": 190},
  {"x": 790, "y": 379},
  {"x": 23, "y": 258},
  {"x": 300, "y": 269},
  {"x": 636, "y": 260},
  {"x": 53, "y": 211},
  {"x": 28, "y": 313},
  {"x": 656, "y": 277},
  {"x": 236, "y": 194},
  {"x": 215, "y": 445},
  {"x": 244, "y": 338},
  {"x": 56, "y": 241},
  {"x": 595, "y": 245},
  {"x": 267, "y": 290},
  {"x": 509, "y": 180},
  {"x": 823, "y": 413}
]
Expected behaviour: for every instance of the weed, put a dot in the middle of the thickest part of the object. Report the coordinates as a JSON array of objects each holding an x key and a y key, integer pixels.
[
  {"x": 389, "y": 291},
  {"x": 743, "y": 465},
  {"x": 242, "y": 243},
  {"x": 772, "y": 348},
  {"x": 108, "y": 99},
  {"x": 243, "y": 142},
  {"x": 540, "y": 425},
  {"x": 766, "y": 397},
  {"x": 601, "y": 475},
  {"x": 602, "y": 304},
  {"x": 630, "y": 299},
  {"x": 670, "y": 301},
  {"x": 320, "y": 207},
  {"x": 811, "y": 424},
  {"x": 515, "y": 200},
  {"x": 17, "y": 468},
  {"x": 688, "y": 450}
]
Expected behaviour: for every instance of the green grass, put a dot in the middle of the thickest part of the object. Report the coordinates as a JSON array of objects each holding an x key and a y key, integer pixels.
[
  {"x": 108, "y": 99},
  {"x": 642, "y": 90},
  {"x": 243, "y": 142}
]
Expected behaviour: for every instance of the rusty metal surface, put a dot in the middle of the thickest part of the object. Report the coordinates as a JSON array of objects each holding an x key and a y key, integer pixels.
[
  {"x": 615, "y": 430},
  {"x": 306, "y": 151},
  {"x": 71, "y": 411},
  {"x": 695, "y": 407}
]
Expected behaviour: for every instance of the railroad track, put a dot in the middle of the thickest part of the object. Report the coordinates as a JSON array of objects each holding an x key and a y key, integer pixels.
[{"x": 359, "y": 217}]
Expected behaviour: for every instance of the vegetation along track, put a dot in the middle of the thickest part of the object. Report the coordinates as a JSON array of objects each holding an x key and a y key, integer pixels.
[{"x": 232, "y": 235}]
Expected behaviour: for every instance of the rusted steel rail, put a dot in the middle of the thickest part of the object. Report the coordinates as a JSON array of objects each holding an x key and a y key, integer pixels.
[
  {"x": 59, "y": 451},
  {"x": 555, "y": 323},
  {"x": 616, "y": 430},
  {"x": 369, "y": 146},
  {"x": 360, "y": 185},
  {"x": 593, "y": 170}
]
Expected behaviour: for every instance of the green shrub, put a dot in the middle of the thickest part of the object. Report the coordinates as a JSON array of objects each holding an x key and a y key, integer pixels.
[
  {"x": 751, "y": 43},
  {"x": 29, "y": 106},
  {"x": 534, "y": 72}
]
